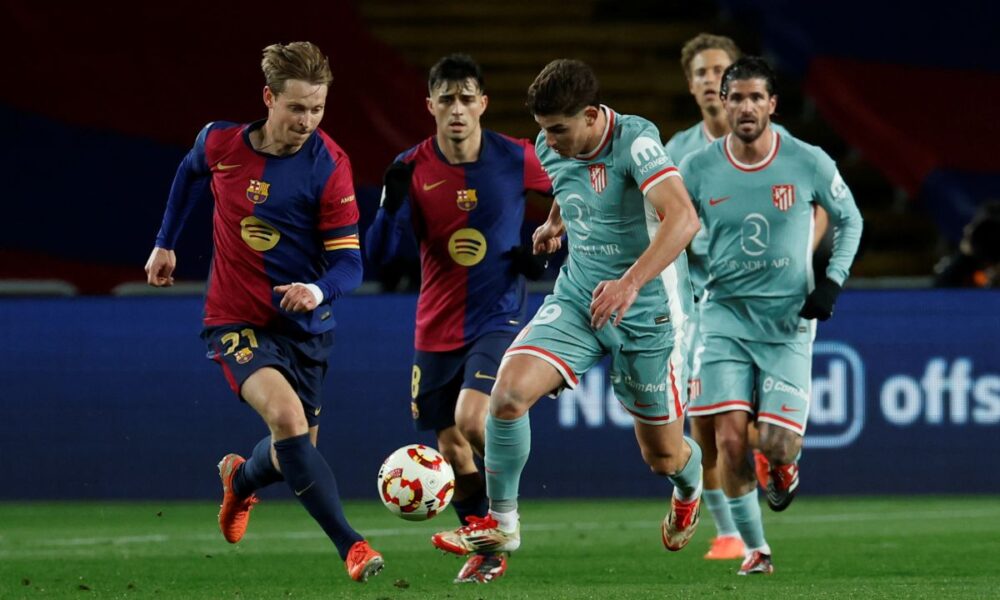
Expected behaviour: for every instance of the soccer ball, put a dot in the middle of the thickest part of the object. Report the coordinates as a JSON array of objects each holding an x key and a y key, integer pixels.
[{"x": 416, "y": 483}]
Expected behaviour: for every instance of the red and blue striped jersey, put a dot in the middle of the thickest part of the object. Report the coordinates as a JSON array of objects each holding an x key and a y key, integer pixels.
[
  {"x": 466, "y": 217},
  {"x": 277, "y": 220}
]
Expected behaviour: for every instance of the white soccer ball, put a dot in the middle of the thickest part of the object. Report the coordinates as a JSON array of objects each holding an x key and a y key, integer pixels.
[{"x": 416, "y": 483}]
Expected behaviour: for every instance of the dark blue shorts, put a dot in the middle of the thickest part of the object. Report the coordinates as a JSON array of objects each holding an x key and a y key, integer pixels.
[
  {"x": 438, "y": 377},
  {"x": 302, "y": 358}
]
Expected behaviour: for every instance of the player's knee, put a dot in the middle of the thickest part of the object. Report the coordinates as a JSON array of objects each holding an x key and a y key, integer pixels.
[
  {"x": 780, "y": 446},
  {"x": 732, "y": 446},
  {"x": 508, "y": 401},
  {"x": 666, "y": 465},
  {"x": 285, "y": 422},
  {"x": 664, "y": 461}
]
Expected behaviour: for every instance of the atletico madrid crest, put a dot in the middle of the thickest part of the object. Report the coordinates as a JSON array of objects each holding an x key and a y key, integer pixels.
[
  {"x": 783, "y": 196},
  {"x": 598, "y": 177}
]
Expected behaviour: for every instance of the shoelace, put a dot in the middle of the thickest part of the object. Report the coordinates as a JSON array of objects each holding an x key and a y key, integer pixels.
[
  {"x": 479, "y": 524},
  {"x": 356, "y": 554},
  {"x": 684, "y": 512}
]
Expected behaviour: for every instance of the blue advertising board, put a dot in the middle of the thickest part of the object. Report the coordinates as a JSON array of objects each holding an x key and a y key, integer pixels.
[{"x": 106, "y": 397}]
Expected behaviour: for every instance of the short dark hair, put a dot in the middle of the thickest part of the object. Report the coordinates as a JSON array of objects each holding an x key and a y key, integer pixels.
[
  {"x": 564, "y": 87},
  {"x": 748, "y": 67},
  {"x": 457, "y": 68}
]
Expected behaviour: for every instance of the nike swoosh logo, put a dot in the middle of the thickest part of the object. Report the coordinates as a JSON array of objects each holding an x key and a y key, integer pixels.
[
  {"x": 641, "y": 405},
  {"x": 305, "y": 489},
  {"x": 714, "y": 201},
  {"x": 481, "y": 375},
  {"x": 430, "y": 186},
  {"x": 221, "y": 167},
  {"x": 786, "y": 408}
]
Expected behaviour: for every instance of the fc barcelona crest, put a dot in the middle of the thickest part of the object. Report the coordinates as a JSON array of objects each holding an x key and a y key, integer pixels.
[
  {"x": 783, "y": 196},
  {"x": 598, "y": 177},
  {"x": 257, "y": 191},
  {"x": 467, "y": 200}
]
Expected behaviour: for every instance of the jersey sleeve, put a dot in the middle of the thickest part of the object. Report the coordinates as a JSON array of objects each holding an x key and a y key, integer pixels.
[
  {"x": 845, "y": 218},
  {"x": 338, "y": 206},
  {"x": 190, "y": 185},
  {"x": 338, "y": 227},
  {"x": 648, "y": 162},
  {"x": 535, "y": 177}
]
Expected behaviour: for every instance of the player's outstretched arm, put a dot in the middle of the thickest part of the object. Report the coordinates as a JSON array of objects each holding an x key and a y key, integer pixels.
[
  {"x": 160, "y": 267},
  {"x": 678, "y": 226}
]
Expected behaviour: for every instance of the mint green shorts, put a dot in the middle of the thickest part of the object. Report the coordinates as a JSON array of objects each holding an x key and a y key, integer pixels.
[
  {"x": 768, "y": 380},
  {"x": 648, "y": 372}
]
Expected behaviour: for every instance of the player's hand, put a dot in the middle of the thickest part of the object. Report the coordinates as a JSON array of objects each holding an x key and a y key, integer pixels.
[
  {"x": 396, "y": 185},
  {"x": 819, "y": 303},
  {"x": 547, "y": 237},
  {"x": 526, "y": 263},
  {"x": 611, "y": 298},
  {"x": 160, "y": 267},
  {"x": 297, "y": 297}
]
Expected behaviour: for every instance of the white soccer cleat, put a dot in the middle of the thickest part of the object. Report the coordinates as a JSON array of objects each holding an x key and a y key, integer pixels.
[{"x": 482, "y": 534}]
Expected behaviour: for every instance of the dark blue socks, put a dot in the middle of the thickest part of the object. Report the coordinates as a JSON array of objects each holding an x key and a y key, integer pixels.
[
  {"x": 475, "y": 502},
  {"x": 257, "y": 472},
  {"x": 311, "y": 480}
]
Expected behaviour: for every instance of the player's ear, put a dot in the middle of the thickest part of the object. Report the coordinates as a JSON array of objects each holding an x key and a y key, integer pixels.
[
  {"x": 268, "y": 97},
  {"x": 772, "y": 104},
  {"x": 430, "y": 106},
  {"x": 486, "y": 101},
  {"x": 590, "y": 114}
]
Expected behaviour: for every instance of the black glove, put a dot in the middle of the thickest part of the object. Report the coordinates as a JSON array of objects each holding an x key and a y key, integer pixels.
[
  {"x": 397, "y": 185},
  {"x": 524, "y": 262},
  {"x": 819, "y": 303}
]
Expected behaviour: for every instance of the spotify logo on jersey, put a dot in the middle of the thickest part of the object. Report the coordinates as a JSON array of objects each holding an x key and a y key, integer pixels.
[
  {"x": 259, "y": 234},
  {"x": 467, "y": 247}
]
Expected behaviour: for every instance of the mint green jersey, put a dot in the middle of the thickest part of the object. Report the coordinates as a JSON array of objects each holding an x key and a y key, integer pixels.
[
  {"x": 759, "y": 223},
  {"x": 610, "y": 224},
  {"x": 686, "y": 142}
]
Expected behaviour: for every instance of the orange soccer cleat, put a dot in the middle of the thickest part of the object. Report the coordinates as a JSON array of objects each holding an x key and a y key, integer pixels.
[
  {"x": 726, "y": 547},
  {"x": 234, "y": 512},
  {"x": 363, "y": 562}
]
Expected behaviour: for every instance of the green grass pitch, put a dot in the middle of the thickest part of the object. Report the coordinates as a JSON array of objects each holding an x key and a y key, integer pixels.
[{"x": 915, "y": 547}]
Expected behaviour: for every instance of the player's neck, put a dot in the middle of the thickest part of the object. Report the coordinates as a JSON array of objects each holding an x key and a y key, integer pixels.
[
  {"x": 755, "y": 151},
  {"x": 264, "y": 140},
  {"x": 596, "y": 133},
  {"x": 461, "y": 151},
  {"x": 715, "y": 125}
]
